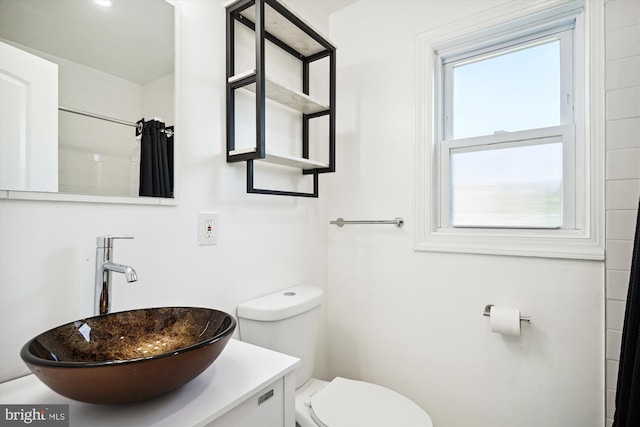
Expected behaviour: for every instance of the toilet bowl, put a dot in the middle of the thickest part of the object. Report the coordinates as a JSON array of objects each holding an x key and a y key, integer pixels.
[
  {"x": 286, "y": 321},
  {"x": 345, "y": 402}
]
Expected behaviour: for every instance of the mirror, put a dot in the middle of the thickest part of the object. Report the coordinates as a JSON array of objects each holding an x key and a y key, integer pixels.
[{"x": 115, "y": 66}]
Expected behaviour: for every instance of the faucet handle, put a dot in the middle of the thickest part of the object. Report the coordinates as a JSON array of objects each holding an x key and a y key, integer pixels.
[{"x": 107, "y": 241}]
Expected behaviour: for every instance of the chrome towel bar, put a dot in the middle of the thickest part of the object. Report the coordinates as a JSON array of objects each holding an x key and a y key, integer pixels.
[
  {"x": 487, "y": 312},
  {"x": 397, "y": 221}
]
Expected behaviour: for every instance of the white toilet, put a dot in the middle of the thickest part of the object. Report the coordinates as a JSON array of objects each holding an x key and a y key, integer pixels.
[{"x": 286, "y": 321}]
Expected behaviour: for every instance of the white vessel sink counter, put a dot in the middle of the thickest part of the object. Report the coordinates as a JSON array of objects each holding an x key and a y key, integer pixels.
[{"x": 225, "y": 394}]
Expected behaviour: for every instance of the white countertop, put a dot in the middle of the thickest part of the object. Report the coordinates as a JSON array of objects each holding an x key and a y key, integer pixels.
[{"x": 241, "y": 370}]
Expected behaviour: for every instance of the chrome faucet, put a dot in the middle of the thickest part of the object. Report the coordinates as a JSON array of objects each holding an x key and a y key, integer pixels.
[{"x": 104, "y": 267}]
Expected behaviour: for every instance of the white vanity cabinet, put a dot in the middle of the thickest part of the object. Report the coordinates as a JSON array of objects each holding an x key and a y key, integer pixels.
[
  {"x": 246, "y": 386},
  {"x": 265, "y": 408}
]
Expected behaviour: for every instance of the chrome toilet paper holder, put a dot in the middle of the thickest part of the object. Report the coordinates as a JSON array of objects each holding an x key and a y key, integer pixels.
[{"x": 487, "y": 312}]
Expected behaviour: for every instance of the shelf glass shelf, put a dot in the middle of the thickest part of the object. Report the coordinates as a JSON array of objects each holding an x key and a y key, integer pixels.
[
  {"x": 282, "y": 95},
  {"x": 283, "y": 159},
  {"x": 285, "y": 30}
]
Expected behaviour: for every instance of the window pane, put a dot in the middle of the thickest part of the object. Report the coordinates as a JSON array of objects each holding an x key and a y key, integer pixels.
[
  {"x": 507, "y": 187},
  {"x": 517, "y": 90}
]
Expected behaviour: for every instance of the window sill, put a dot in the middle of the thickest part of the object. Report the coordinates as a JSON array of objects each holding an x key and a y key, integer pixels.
[{"x": 530, "y": 243}]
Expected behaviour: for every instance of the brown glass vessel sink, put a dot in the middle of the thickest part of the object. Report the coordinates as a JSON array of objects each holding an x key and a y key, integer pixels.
[{"x": 128, "y": 356}]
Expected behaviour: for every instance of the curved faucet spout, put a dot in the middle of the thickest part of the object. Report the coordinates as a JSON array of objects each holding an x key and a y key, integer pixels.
[{"x": 129, "y": 273}]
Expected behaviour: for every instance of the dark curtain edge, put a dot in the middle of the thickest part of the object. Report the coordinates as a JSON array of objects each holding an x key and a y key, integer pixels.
[{"x": 627, "y": 411}]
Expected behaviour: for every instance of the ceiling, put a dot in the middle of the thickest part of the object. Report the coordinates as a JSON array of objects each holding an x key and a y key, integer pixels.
[
  {"x": 132, "y": 39},
  {"x": 322, "y": 7}
]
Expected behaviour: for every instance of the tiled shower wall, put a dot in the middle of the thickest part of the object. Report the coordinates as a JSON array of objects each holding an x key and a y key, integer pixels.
[{"x": 622, "y": 44}]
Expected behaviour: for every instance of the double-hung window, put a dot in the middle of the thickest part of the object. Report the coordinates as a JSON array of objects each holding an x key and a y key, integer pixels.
[
  {"x": 507, "y": 138},
  {"x": 508, "y": 135}
]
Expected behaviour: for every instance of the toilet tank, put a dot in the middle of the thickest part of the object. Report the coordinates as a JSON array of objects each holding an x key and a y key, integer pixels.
[{"x": 285, "y": 321}]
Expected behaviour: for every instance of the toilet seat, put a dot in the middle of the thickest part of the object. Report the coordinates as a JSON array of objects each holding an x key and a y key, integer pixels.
[{"x": 344, "y": 402}]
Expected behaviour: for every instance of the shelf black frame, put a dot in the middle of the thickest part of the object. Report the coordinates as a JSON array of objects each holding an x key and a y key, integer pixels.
[{"x": 233, "y": 15}]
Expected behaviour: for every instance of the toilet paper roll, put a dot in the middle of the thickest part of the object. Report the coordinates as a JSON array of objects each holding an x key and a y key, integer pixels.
[{"x": 505, "y": 320}]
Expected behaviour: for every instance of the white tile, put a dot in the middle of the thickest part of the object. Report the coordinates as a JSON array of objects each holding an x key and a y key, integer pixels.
[
  {"x": 623, "y": 194},
  {"x": 624, "y": 133},
  {"x": 618, "y": 254},
  {"x": 621, "y": 225},
  {"x": 622, "y": 43},
  {"x": 615, "y": 315},
  {"x": 612, "y": 374},
  {"x": 623, "y": 72},
  {"x": 617, "y": 284},
  {"x": 623, "y": 164},
  {"x": 621, "y": 13},
  {"x": 614, "y": 338},
  {"x": 623, "y": 103},
  {"x": 611, "y": 403},
  {"x": 608, "y": 422}
]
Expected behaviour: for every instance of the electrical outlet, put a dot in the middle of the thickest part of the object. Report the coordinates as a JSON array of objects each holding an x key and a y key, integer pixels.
[{"x": 207, "y": 228}]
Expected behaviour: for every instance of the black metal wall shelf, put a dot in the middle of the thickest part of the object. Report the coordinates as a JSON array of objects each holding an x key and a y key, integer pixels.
[{"x": 272, "y": 21}]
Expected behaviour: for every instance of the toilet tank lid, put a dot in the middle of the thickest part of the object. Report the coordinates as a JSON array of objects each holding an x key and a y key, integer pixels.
[{"x": 282, "y": 304}]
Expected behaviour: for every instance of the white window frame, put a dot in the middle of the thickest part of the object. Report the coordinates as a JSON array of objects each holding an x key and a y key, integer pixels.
[{"x": 581, "y": 131}]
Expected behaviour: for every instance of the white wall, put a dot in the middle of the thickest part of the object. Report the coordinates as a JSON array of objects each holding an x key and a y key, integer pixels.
[
  {"x": 96, "y": 156},
  {"x": 157, "y": 99},
  {"x": 622, "y": 25},
  {"x": 265, "y": 243},
  {"x": 413, "y": 320}
]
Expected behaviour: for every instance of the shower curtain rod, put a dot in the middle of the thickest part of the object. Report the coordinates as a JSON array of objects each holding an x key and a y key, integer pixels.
[
  {"x": 138, "y": 126},
  {"x": 96, "y": 116}
]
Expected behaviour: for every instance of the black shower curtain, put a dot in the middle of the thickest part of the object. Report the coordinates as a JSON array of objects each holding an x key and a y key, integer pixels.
[
  {"x": 156, "y": 160},
  {"x": 628, "y": 389}
]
